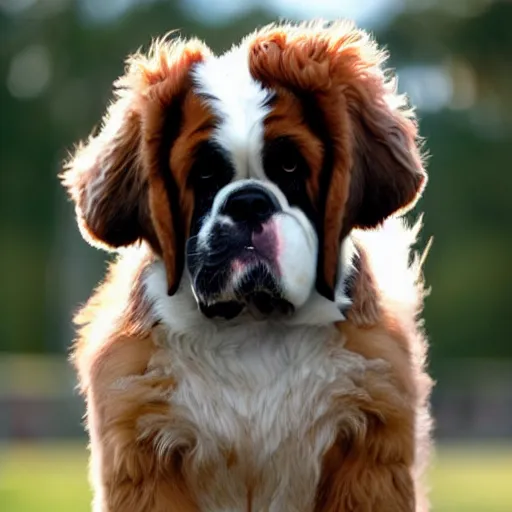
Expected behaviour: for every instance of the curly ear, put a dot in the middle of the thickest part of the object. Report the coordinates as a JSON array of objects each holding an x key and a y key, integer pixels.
[{"x": 120, "y": 179}]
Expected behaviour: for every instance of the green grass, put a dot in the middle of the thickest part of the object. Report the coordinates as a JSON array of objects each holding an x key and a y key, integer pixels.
[
  {"x": 472, "y": 478},
  {"x": 53, "y": 478}
]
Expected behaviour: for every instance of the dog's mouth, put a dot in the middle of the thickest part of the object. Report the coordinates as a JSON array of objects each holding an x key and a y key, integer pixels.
[
  {"x": 250, "y": 285},
  {"x": 239, "y": 272},
  {"x": 257, "y": 305}
]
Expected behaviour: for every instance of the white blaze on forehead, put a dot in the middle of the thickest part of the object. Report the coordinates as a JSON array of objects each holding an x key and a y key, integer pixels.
[{"x": 239, "y": 102}]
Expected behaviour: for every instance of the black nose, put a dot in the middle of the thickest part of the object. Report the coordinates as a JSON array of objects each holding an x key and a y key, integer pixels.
[{"x": 252, "y": 204}]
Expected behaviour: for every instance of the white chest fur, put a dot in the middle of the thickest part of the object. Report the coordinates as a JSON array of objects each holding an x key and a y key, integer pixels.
[
  {"x": 255, "y": 408},
  {"x": 256, "y": 403}
]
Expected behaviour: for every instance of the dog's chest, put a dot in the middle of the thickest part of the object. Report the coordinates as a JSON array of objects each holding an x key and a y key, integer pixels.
[{"x": 255, "y": 410}]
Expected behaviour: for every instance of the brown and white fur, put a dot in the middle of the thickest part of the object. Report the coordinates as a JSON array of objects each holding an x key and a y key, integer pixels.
[{"x": 319, "y": 407}]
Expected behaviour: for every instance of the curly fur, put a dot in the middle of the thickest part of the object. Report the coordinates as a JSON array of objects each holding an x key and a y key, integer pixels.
[{"x": 318, "y": 412}]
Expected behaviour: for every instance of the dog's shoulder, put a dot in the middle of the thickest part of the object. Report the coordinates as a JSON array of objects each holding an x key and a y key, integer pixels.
[
  {"x": 117, "y": 310},
  {"x": 388, "y": 280},
  {"x": 388, "y": 292},
  {"x": 383, "y": 324}
]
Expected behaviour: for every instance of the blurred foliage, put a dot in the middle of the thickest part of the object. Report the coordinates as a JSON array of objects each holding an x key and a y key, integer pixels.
[{"x": 57, "y": 67}]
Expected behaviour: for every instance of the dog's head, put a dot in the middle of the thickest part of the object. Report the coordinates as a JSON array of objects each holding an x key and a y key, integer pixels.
[{"x": 248, "y": 170}]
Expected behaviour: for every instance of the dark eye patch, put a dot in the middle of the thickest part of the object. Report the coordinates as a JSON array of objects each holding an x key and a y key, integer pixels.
[
  {"x": 211, "y": 170},
  {"x": 283, "y": 161},
  {"x": 211, "y": 167},
  {"x": 287, "y": 168}
]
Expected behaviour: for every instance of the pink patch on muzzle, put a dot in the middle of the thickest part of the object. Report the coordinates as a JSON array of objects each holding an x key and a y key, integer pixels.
[{"x": 265, "y": 240}]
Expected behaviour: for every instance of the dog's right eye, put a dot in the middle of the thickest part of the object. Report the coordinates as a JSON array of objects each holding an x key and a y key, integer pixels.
[
  {"x": 211, "y": 168},
  {"x": 285, "y": 165},
  {"x": 289, "y": 163},
  {"x": 283, "y": 162},
  {"x": 206, "y": 173}
]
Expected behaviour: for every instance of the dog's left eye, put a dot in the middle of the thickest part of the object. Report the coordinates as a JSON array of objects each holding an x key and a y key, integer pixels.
[
  {"x": 282, "y": 160},
  {"x": 289, "y": 163},
  {"x": 206, "y": 173}
]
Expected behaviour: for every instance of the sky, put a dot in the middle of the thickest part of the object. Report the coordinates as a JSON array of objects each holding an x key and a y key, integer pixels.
[
  {"x": 366, "y": 12},
  {"x": 362, "y": 11}
]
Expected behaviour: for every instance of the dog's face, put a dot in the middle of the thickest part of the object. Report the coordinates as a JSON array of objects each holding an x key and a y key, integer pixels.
[
  {"x": 249, "y": 246},
  {"x": 253, "y": 234},
  {"x": 248, "y": 170}
]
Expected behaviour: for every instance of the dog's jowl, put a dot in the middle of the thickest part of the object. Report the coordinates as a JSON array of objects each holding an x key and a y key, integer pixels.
[{"x": 255, "y": 346}]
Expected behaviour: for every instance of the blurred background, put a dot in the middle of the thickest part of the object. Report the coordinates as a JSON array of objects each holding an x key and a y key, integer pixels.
[{"x": 58, "y": 59}]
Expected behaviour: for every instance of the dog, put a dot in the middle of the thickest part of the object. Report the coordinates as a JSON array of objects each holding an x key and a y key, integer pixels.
[{"x": 257, "y": 345}]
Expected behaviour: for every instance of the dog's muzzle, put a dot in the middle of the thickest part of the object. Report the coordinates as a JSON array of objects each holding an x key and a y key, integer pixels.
[{"x": 235, "y": 265}]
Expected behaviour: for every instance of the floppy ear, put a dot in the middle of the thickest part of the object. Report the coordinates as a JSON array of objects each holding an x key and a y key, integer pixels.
[
  {"x": 120, "y": 179},
  {"x": 372, "y": 165},
  {"x": 104, "y": 178},
  {"x": 387, "y": 174}
]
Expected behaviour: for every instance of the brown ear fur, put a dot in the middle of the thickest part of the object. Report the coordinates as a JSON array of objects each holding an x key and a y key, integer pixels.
[
  {"x": 120, "y": 179},
  {"x": 104, "y": 179},
  {"x": 376, "y": 168},
  {"x": 388, "y": 173}
]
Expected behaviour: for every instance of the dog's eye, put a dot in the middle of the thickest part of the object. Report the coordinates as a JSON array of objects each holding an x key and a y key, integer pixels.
[
  {"x": 289, "y": 164},
  {"x": 286, "y": 167},
  {"x": 282, "y": 160},
  {"x": 206, "y": 173},
  {"x": 210, "y": 169}
]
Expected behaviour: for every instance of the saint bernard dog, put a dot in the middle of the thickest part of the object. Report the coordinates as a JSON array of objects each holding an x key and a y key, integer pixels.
[{"x": 256, "y": 345}]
